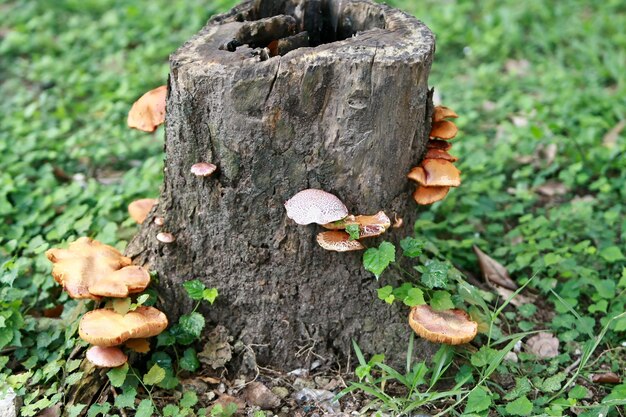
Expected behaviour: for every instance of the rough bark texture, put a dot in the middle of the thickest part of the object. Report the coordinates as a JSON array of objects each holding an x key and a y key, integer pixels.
[{"x": 349, "y": 114}]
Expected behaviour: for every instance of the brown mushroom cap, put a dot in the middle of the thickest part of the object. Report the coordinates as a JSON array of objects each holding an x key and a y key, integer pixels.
[
  {"x": 370, "y": 226},
  {"x": 104, "y": 327},
  {"x": 106, "y": 357},
  {"x": 315, "y": 206},
  {"x": 139, "y": 209},
  {"x": 338, "y": 241},
  {"x": 203, "y": 169},
  {"x": 165, "y": 237},
  {"x": 438, "y": 144},
  {"x": 452, "y": 327},
  {"x": 440, "y": 154},
  {"x": 429, "y": 195},
  {"x": 128, "y": 280},
  {"x": 418, "y": 175},
  {"x": 89, "y": 269},
  {"x": 443, "y": 129},
  {"x": 148, "y": 112},
  {"x": 440, "y": 172},
  {"x": 443, "y": 112}
]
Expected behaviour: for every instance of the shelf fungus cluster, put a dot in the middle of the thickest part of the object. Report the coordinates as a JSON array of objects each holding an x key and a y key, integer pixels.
[
  {"x": 437, "y": 172},
  {"x": 451, "y": 327},
  {"x": 92, "y": 270},
  {"x": 344, "y": 230}
]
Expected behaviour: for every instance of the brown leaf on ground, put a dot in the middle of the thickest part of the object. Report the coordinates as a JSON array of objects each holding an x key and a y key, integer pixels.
[
  {"x": 519, "y": 67},
  {"x": 606, "y": 378},
  {"x": 259, "y": 395},
  {"x": 543, "y": 345},
  {"x": 518, "y": 300},
  {"x": 217, "y": 352},
  {"x": 493, "y": 271},
  {"x": 552, "y": 188},
  {"x": 610, "y": 138},
  {"x": 225, "y": 399}
]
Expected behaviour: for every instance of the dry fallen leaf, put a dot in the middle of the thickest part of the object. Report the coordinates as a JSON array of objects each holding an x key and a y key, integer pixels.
[
  {"x": 543, "y": 345},
  {"x": 610, "y": 139},
  {"x": 518, "y": 300},
  {"x": 606, "y": 378},
  {"x": 552, "y": 188},
  {"x": 493, "y": 271}
]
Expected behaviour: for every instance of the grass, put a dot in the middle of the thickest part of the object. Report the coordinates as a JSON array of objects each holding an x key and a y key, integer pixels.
[{"x": 538, "y": 86}]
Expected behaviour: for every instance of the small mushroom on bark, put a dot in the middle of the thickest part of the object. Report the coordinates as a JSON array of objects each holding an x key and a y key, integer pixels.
[
  {"x": 203, "y": 169},
  {"x": 444, "y": 129},
  {"x": 139, "y": 209},
  {"x": 106, "y": 357},
  {"x": 440, "y": 172},
  {"x": 165, "y": 237},
  {"x": 315, "y": 206},
  {"x": 148, "y": 112},
  {"x": 443, "y": 112},
  {"x": 438, "y": 144},
  {"x": 440, "y": 154},
  {"x": 429, "y": 195},
  {"x": 338, "y": 241},
  {"x": 451, "y": 327}
]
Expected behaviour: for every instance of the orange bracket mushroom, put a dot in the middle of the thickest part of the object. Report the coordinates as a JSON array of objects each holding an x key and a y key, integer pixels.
[
  {"x": 338, "y": 241},
  {"x": 90, "y": 269},
  {"x": 104, "y": 327},
  {"x": 139, "y": 209},
  {"x": 369, "y": 226},
  {"x": 451, "y": 327},
  {"x": 148, "y": 112}
]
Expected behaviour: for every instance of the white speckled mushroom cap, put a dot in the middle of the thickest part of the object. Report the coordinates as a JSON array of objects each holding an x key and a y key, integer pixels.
[{"x": 315, "y": 206}]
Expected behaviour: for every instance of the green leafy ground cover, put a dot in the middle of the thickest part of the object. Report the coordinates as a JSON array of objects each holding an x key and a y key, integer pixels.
[{"x": 538, "y": 85}]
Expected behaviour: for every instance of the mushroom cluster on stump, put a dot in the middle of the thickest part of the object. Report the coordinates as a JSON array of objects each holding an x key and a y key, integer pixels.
[
  {"x": 344, "y": 107},
  {"x": 92, "y": 270},
  {"x": 437, "y": 172}
]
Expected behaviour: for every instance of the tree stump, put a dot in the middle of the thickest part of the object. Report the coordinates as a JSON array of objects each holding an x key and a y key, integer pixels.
[{"x": 285, "y": 95}]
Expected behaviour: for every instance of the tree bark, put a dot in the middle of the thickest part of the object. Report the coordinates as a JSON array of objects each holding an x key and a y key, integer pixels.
[{"x": 349, "y": 114}]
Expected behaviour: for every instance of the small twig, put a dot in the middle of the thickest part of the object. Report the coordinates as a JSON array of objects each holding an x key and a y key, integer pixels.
[
  {"x": 572, "y": 366},
  {"x": 121, "y": 410}
]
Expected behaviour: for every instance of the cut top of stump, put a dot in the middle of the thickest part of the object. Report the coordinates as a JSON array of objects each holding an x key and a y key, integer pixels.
[{"x": 259, "y": 31}]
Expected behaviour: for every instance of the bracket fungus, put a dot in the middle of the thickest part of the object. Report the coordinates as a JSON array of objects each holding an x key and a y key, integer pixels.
[
  {"x": 90, "y": 269},
  {"x": 451, "y": 327},
  {"x": 369, "y": 226},
  {"x": 437, "y": 174},
  {"x": 443, "y": 112},
  {"x": 139, "y": 209},
  {"x": 438, "y": 144},
  {"x": 440, "y": 154},
  {"x": 106, "y": 357},
  {"x": 203, "y": 169},
  {"x": 104, "y": 327},
  {"x": 338, "y": 241},
  {"x": 315, "y": 206},
  {"x": 444, "y": 129},
  {"x": 148, "y": 112}
]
